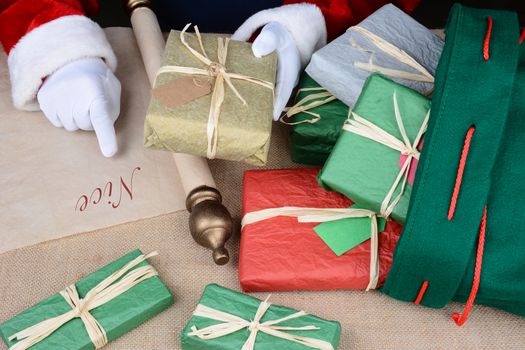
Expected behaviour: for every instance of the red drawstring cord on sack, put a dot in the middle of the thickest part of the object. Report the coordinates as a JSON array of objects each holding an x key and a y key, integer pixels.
[
  {"x": 421, "y": 293},
  {"x": 522, "y": 37},
  {"x": 486, "y": 42},
  {"x": 461, "y": 319},
  {"x": 459, "y": 175}
]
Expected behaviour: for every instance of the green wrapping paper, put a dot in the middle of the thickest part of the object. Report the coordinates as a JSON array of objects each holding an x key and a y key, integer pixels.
[
  {"x": 313, "y": 142},
  {"x": 243, "y": 131},
  {"x": 365, "y": 170},
  {"x": 245, "y": 306},
  {"x": 117, "y": 316}
]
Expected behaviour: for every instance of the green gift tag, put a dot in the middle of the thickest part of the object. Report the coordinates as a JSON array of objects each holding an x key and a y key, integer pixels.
[{"x": 346, "y": 234}]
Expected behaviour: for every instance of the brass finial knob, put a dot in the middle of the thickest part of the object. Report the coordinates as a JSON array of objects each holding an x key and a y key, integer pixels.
[{"x": 210, "y": 222}]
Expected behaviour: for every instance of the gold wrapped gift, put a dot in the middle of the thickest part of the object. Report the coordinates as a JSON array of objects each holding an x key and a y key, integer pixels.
[{"x": 212, "y": 97}]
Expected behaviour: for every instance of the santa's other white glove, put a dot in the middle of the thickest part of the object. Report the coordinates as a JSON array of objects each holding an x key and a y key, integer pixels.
[
  {"x": 83, "y": 94},
  {"x": 294, "y": 32},
  {"x": 275, "y": 37}
]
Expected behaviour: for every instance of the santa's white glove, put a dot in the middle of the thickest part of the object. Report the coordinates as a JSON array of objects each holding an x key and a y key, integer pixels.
[
  {"x": 294, "y": 32},
  {"x": 275, "y": 37},
  {"x": 83, "y": 94}
]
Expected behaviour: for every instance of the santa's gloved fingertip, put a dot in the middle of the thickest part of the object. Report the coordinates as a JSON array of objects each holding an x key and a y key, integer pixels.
[
  {"x": 264, "y": 44},
  {"x": 109, "y": 152}
]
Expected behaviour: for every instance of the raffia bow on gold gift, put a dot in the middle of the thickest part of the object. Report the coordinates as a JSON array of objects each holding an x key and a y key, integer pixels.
[
  {"x": 218, "y": 71},
  {"x": 110, "y": 288},
  {"x": 232, "y": 324}
]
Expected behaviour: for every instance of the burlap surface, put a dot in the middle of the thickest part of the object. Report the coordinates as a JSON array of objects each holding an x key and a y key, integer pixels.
[{"x": 369, "y": 320}]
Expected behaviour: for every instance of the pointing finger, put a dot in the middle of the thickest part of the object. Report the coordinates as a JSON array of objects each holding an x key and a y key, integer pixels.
[{"x": 103, "y": 126}]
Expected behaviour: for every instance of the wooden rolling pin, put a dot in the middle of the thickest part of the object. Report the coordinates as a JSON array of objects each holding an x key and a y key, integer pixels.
[{"x": 210, "y": 222}]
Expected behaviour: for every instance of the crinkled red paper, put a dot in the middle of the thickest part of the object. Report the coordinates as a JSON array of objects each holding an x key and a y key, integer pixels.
[{"x": 281, "y": 254}]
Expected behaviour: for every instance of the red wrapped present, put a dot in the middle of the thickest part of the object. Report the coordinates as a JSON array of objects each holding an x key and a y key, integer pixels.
[{"x": 280, "y": 253}]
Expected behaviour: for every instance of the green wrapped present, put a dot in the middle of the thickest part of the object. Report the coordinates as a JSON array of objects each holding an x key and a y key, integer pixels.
[
  {"x": 377, "y": 151},
  {"x": 212, "y": 97},
  {"x": 96, "y": 310},
  {"x": 225, "y": 319},
  {"x": 316, "y": 118}
]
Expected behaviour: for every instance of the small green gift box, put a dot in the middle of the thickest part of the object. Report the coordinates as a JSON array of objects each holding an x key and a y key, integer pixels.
[
  {"x": 229, "y": 320},
  {"x": 316, "y": 118},
  {"x": 375, "y": 158},
  {"x": 212, "y": 97},
  {"x": 97, "y": 309}
]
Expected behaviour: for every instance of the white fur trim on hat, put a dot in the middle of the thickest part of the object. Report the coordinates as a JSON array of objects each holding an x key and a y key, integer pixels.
[
  {"x": 305, "y": 22},
  {"x": 50, "y": 46}
]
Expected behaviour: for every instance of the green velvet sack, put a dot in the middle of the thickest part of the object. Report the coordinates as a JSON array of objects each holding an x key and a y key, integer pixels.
[
  {"x": 315, "y": 130},
  {"x": 325, "y": 334},
  {"x": 462, "y": 239},
  {"x": 116, "y": 317}
]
